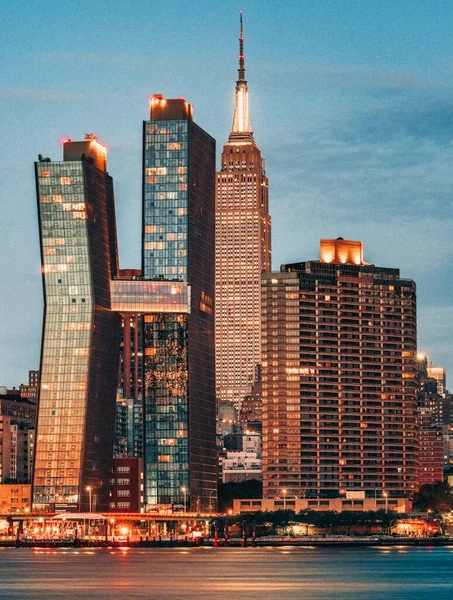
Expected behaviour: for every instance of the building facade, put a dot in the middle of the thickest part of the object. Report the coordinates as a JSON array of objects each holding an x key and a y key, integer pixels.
[
  {"x": 431, "y": 449},
  {"x": 339, "y": 378},
  {"x": 178, "y": 331},
  {"x": 30, "y": 389},
  {"x": 129, "y": 428},
  {"x": 79, "y": 353},
  {"x": 130, "y": 374},
  {"x": 440, "y": 375},
  {"x": 15, "y": 498},
  {"x": 16, "y": 450},
  {"x": 127, "y": 486},
  {"x": 243, "y": 252}
]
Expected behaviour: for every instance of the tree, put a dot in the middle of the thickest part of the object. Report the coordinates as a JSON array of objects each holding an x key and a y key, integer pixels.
[
  {"x": 437, "y": 497},
  {"x": 326, "y": 519},
  {"x": 387, "y": 519},
  {"x": 251, "y": 488}
]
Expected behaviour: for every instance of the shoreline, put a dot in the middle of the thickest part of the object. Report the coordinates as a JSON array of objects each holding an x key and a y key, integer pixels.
[{"x": 317, "y": 541}]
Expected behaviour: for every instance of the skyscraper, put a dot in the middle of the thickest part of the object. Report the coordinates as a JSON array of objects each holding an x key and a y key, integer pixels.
[
  {"x": 440, "y": 375},
  {"x": 339, "y": 377},
  {"x": 79, "y": 353},
  {"x": 243, "y": 251},
  {"x": 178, "y": 344}
]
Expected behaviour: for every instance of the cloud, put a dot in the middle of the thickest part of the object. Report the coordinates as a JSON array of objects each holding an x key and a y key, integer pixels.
[
  {"x": 390, "y": 81},
  {"x": 388, "y": 160}
]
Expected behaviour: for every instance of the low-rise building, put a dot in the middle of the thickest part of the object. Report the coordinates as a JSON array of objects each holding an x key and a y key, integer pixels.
[
  {"x": 15, "y": 498},
  {"x": 401, "y": 505},
  {"x": 127, "y": 485}
]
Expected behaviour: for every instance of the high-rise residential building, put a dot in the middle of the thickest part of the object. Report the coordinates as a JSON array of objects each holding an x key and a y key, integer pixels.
[
  {"x": 79, "y": 353},
  {"x": 243, "y": 251},
  {"x": 431, "y": 448},
  {"x": 339, "y": 377},
  {"x": 178, "y": 327}
]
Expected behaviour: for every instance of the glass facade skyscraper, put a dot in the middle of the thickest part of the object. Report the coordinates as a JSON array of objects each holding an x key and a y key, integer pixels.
[
  {"x": 178, "y": 343},
  {"x": 79, "y": 354}
]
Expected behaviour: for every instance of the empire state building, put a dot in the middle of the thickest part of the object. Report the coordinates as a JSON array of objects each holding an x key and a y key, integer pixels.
[{"x": 243, "y": 251}]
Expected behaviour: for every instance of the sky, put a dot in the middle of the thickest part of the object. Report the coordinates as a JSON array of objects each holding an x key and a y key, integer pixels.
[{"x": 351, "y": 104}]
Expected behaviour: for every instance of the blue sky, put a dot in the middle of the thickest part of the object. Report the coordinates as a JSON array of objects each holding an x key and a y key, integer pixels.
[{"x": 351, "y": 103}]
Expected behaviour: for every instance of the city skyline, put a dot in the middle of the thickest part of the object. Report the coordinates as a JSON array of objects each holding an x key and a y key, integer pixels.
[{"x": 356, "y": 134}]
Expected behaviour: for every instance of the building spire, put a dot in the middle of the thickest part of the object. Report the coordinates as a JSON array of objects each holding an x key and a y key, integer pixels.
[
  {"x": 241, "y": 120},
  {"x": 241, "y": 69}
]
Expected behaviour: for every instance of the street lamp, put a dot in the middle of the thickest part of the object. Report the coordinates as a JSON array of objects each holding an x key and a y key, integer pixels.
[
  {"x": 284, "y": 492},
  {"x": 88, "y": 489},
  {"x": 386, "y": 496},
  {"x": 184, "y": 491},
  {"x": 210, "y": 499}
]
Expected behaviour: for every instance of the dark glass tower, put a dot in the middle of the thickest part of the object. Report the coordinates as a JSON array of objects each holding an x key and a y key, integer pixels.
[
  {"x": 79, "y": 354},
  {"x": 178, "y": 257}
]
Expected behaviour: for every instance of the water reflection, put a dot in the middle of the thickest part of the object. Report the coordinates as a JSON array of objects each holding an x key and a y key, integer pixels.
[{"x": 248, "y": 573}]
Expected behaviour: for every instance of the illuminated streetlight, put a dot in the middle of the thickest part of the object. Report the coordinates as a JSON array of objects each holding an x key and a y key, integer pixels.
[
  {"x": 184, "y": 491},
  {"x": 284, "y": 492},
  {"x": 210, "y": 499},
  {"x": 88, "y": 489}
]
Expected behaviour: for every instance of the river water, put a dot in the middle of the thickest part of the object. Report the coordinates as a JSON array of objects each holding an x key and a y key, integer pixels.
[{"x": 390, "y": 573}]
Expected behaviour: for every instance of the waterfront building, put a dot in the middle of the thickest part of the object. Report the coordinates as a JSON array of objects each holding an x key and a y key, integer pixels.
[
  {"x": 178, "y": 325},
  {"x": 79, "y": 353},
  {"x": 431, "y": 448},
  {"x": 243, "y": 251},
  {"x": 287, "y": 502},
  {"x": 339, "y": 378},
  {"x": 127, "y": 485},
  {"x": 16, "y": 450},
  {"x": 15, "y": 498}
]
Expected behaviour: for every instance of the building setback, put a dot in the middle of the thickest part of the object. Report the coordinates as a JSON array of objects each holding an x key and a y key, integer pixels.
[
  {"x": 79, "y": 353},
  {"x": 339, "y": 378},
  {"x": 243, "y": 252}
]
